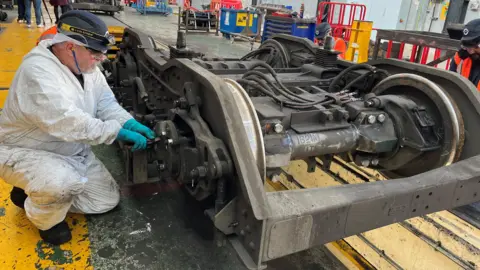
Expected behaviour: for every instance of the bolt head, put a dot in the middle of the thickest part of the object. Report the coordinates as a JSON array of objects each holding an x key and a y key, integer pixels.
[
  {"x": 278, "y": 128},
  {"x": 375, "y": 162},
  {"x": 371, "y": 119},
  {"x": 170, "y": 141},
  {"x": 365, "y": 163},
  {"x": 381, "y": 118}
]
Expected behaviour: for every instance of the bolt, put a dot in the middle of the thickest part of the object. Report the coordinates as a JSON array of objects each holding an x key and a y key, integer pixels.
[
  {"x": 194, "y": 173},
  {"x": 369, "y": 103},
  {"x": 375, "y": 162},
  {"x": 170, "y": 141},
  {"x": 247, "y": 228},
  {"x": 202, "y": 171},
  {"x": 365, "y": 163},
  {"x": 242, "y": 232},
  {"x": 161, "y": 167},
  {"x": 371, "y": 119},
  {"x": 163, "y": 133},
  {"x": 381, "y": 118},
  {"x": 251, "y": 245},
  {"x": 278, "y": 128}
]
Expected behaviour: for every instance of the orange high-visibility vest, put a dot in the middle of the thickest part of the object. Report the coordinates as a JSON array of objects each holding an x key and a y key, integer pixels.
[
  {"x": 48, "y": 34},
  {"x": 464, "y": 66},
  {"x": 340, "y": 46}
]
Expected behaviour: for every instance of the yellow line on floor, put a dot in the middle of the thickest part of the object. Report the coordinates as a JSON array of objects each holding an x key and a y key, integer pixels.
[{"x": 20, "y": 244}]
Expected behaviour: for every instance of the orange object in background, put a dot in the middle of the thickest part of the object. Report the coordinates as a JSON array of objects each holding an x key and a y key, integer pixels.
[
  {"x": 48, "y": 34},
  {"x": 340, "y": 46},
  {"x": 231, "y": 4}
]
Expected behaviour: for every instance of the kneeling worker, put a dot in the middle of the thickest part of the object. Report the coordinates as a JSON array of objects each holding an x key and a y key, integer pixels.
[{"x": 58, "y": 105}]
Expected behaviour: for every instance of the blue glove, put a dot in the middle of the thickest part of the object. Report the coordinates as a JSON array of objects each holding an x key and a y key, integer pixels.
[
  {"x": 133, "y": 125},
  {"x": 138, "y": 140}
]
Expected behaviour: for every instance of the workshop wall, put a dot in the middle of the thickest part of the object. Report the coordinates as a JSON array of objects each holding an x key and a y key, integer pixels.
[{"x": 473, "y": 11}]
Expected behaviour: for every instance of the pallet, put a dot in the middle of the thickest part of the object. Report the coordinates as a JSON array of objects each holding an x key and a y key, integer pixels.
[{"x": 440, "y": 240}]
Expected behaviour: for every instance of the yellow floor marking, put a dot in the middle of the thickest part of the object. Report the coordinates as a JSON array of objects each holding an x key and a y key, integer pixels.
[
  {"x": 20, "y": 244},
  {"x": 22, "y": 248},
  {"x": 15, "y": 41}
]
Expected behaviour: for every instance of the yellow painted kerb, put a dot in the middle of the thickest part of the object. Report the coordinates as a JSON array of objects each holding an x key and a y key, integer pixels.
[{"x": 20, "y": 244}]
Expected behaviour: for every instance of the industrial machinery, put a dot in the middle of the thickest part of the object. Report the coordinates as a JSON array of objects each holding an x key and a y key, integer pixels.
[
  {"x": 225, "y": 126},
  {"x": 106, "y": 6}
]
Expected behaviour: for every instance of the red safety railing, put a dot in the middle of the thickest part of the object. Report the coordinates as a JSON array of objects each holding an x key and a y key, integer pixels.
[
  {"x": 336, "y": 16},
  {"x": 413, "y": 55},
  {"x": 231, "y": 4},
  {"x": 216, "y": 5}
]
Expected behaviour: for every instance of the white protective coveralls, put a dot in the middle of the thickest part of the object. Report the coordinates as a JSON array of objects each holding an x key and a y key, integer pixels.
[{"x": 46, "y": 128}]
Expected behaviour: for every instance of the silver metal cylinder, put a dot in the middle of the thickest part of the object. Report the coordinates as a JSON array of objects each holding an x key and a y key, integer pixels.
[
  {"x": 322, "y": 143},
  {"x": 181, "y": 40}
]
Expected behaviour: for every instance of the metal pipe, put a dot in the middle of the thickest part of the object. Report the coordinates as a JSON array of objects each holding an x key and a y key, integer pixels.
[
  {"x": 322, "y": 143},
  {"x": 291, "y": 146}
]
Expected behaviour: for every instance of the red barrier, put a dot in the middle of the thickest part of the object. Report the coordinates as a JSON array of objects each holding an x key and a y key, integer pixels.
[
  {"x": 424, "y": 54},
  {"x": 231, "y": 4},
  {"x": 336, "y": 17}
]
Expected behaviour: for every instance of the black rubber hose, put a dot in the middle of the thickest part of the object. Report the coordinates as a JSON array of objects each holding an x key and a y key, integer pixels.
[
  {"x": 345, "y": 71},
  {"x": 358, "y": 79},
  {"x": 254, "y": 53},
  {"x": 282, "y": 102},
  {"x": 280, "y": 49},
  {"x": 288, "y": 94},
  {"x": 275, "y": 76}
]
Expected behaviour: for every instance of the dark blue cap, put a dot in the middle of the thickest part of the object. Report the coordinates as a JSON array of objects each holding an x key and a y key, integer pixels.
[
  {"x": 471, "y": 31},
  {"x": 322, "y": 29},
  {"x": 86, "y": 28}
]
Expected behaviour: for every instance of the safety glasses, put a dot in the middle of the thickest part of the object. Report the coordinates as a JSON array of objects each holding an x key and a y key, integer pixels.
[{"x": 96, "y": 55}]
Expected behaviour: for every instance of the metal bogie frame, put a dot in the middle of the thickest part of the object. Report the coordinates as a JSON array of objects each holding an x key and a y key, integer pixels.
[{"x": 264, "y": 226}]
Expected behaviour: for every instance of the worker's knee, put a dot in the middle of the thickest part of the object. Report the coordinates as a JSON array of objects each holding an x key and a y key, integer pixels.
[
  {"x": 58, "y": 186},
  {"x": 96, "y": 199}
]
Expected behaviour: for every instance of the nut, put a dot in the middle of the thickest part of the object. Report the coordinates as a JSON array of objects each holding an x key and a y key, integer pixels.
[
  {"x": 381, "y": 118},
  {"x": 365, "y": 163},
  {"x": 375, "y": 162},
  {"x": 371, "y": 119},
  {"x": 278, "y": 128}
]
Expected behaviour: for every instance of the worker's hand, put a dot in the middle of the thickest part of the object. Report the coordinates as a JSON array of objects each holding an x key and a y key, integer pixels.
[
  {"x": 133, "y": 125},
  {"x": 138, "y": 140}
]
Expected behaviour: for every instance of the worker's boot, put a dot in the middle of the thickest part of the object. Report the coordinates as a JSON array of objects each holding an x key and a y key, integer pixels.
[
  {"x": 18, "y": 197},
  {"x": 57, "y": 235}
]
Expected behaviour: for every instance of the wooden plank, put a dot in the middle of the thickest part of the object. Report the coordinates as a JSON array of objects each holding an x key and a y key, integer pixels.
[
  {"x": 319, "y": 178},
  {"x": 373, "y": 257},
  {"x": 458, "y": 227},
  {"x": 408, "y": 250},
  {"x": 350, "y": 258},
  {"x": 395, "y": 241},
  {"x": 447, "y": 242}
]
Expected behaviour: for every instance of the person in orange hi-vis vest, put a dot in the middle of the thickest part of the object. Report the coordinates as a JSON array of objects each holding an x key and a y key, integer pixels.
[
  {"x": 467, "y": 60},
  {"x": 48, "y": 34},
  {"x": 324, "y": 29}
]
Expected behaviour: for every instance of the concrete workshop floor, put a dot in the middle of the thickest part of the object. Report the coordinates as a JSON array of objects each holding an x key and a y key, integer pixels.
[
  {"x": 152, "y": 228},
  {"x": 165, "y": 29}
]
